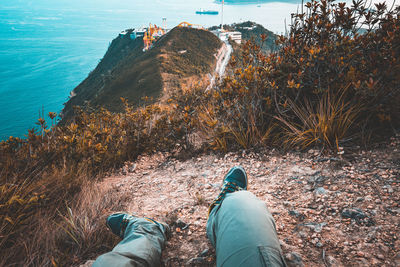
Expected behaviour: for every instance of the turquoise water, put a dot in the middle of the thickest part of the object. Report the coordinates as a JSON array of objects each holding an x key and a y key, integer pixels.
[{"x": 48, "y": 47}]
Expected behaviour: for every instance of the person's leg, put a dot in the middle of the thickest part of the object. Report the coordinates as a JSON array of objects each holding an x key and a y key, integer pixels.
[
  {"x": 243, "y": 231},
  {"x": 143, "y": 240}
]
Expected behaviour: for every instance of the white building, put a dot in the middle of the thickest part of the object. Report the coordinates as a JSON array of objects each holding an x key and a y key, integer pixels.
[
  {"x": 225, "y": 36},
  {"x": 123, "y": 33},
  {"x": 137, "y": 33},
  {"x": 235, "y": 36}
]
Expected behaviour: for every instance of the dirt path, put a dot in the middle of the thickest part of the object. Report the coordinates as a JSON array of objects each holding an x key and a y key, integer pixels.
[
  {"x": 225, "y": 60},
  {"x": 329, "y": 211},
  {"x": 223, "y": 57}
]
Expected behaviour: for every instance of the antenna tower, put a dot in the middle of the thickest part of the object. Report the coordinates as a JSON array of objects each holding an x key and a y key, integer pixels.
[{"x": 222, "y": 16}]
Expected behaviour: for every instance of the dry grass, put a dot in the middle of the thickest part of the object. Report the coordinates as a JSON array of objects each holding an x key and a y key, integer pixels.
[
  {"x": 82, "y": 231},
  {"x": 70, "y": 238},
  {"x": 327, "y": 123},
  {"x": 44, "y": 173}
]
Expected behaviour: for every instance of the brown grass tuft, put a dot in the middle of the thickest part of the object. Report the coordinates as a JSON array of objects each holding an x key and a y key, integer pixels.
[{"x": 327, "y": 123}]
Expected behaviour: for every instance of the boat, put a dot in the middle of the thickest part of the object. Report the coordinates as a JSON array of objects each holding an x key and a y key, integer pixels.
[{"x": 207, "y": 12}]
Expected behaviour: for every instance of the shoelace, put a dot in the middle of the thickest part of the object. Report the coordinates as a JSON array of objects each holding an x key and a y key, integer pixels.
[{"x": 228, "y": 187}]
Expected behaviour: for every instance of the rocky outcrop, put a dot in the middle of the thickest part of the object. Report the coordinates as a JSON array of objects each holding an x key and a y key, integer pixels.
[{"x": 352, "y": 222}]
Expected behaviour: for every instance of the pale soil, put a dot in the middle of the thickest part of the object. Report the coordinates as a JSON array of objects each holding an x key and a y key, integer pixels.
[
  {"x": 170, "y": 81},
  {"x": 307, "y": 193}
]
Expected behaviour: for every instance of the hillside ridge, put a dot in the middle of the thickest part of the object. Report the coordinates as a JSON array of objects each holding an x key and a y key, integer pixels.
[{"x": 126, "y": 71}]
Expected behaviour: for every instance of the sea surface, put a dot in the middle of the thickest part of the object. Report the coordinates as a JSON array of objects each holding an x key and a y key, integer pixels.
[{"x": 47, "y": 47}]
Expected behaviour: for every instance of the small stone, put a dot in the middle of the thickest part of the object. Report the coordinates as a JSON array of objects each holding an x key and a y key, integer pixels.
[
  {"x": 89, "y": 263},
  {"x": 296, "y": 214},
  {"x": 334, "y": 188},
  {"x": 204, "y": 253},
  {"x": 385, "y": 249},
  {"x": 132, "y": 168},
  {"x": 332, "y": 262},
  {"x": 302, "y": 234},
  {"x": 197, "y": 260},
  {"x": 360, "y": 254},
  {"x": 374, "y": 262},
  {"x": 388, "y": 188},
  {"x": 353, "y": 213},
  {"x": 317, "y": 227},
  {"x": 293, "y": 259},
  {"x": 320, "y": 191},
  {"x": 181, "y": 224}
]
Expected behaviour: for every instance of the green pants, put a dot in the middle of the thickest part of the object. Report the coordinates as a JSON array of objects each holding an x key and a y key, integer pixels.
[
  {"x": 142, "y": 245},
  {"x": 243, "y": 232},
  {"x": 241, "y": 229}
]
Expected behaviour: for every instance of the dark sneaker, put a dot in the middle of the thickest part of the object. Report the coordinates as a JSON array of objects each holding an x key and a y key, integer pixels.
[
  {"x": 118, "y": 222},
  {"x": 237, "y": 175},
  {"x": 234, "y": 180}
]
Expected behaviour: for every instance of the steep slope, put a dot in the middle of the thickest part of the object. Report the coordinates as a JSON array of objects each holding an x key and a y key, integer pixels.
[{"x": 126, "y": 71}]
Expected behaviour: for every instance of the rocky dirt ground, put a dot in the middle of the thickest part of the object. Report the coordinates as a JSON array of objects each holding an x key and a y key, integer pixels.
[{"x": 340, "y": 210}]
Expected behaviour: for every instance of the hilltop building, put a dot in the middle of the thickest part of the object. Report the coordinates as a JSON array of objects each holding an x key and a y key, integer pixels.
[
  {"x": 225, "y": 35},
  {"x": 137, "y": 33},
  {"x": 123, "y": 33}
]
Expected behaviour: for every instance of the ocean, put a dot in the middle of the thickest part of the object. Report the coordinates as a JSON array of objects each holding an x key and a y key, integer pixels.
[{"x": 48, "y": 47}]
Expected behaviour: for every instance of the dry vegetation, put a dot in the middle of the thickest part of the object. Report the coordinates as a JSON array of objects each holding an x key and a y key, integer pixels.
[{"x": 328, "y": 86}]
